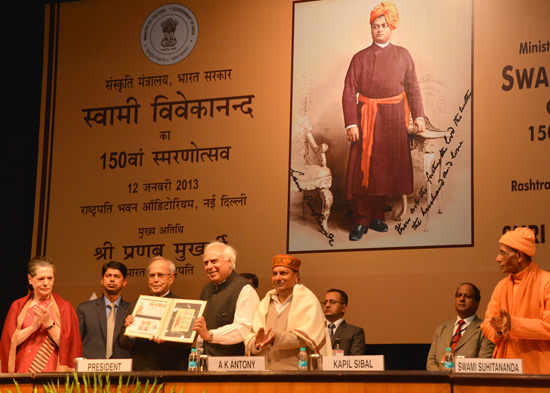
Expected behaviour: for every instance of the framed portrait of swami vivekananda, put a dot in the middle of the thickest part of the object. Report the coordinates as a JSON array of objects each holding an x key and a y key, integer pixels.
[{"x": 395, "y": 185}]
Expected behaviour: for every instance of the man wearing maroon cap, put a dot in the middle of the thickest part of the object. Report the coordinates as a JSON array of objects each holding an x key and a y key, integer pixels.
[
  {"x": 518, "y": 316},
  {"x": 289, "y": 317}
]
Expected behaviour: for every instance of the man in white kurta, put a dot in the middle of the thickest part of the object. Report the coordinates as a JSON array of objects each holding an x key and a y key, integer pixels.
[{"x": 289, "y": 317}]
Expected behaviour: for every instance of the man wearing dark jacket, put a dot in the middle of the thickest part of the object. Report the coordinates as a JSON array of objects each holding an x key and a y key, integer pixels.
[
  {"x": 150, "y": 354},
  {"x": 231, "y": 303},
  {"x": 462, "y": 334},
  {"x": 350, "y": 338},
  {"x": 101, "y": 319}
]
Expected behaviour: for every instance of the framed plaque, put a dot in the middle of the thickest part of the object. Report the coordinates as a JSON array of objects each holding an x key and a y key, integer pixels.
[{"x": 168, "y": 319}]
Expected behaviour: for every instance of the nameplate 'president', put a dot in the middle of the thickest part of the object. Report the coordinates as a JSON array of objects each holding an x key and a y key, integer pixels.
[{"x": 103, "y": 365}]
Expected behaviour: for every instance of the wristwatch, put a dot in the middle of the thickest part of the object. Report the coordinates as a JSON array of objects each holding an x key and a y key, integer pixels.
[{"x": 210, "y": 336}]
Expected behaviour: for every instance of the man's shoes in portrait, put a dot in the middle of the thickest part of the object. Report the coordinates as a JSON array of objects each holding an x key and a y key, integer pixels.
[
  {"x": 358, "y": 232},
  {"x": 378, "y": 225}
]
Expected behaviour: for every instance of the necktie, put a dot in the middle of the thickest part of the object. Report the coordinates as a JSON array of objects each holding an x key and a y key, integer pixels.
[
  {"x": 458, "y": 335},
  {"x": 110, "y": 330},
  {"x": 331, "y": 326}
]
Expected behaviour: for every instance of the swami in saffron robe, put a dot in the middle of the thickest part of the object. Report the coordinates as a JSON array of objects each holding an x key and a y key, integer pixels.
[{"x": 526, "y": 297}]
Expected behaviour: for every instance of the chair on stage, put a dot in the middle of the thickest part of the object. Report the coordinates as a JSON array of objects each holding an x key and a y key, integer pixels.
[
  {"x": 427, "y": 144},
  {"x": 309, "y": 172}
]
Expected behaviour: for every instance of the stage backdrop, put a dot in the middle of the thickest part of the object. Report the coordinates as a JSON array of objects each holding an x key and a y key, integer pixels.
[{"x": 169, "y": 125}]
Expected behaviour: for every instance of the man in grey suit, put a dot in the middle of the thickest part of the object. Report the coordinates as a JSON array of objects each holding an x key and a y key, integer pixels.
[
  {"x": 350, "y": 338},
  {"x": 93, "y": 315},
  {"x": 463, "y": 333}
]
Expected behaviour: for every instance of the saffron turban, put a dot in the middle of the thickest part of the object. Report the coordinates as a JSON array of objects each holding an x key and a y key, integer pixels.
[
  {"x": 286, "y": 261},
  {"x": 389, "y": 10},
  {"x": 521, "y": 239}
]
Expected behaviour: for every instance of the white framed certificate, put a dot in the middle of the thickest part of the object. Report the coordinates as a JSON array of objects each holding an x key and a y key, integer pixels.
[{"x": 166, "y": 318}]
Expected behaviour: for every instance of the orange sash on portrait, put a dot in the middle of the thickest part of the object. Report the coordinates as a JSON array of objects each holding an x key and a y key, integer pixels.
[{"x": 368, "y": 117}]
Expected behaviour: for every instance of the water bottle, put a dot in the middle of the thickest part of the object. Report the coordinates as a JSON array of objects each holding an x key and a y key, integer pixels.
[
  {"x": 193, "y": 360},
  {"x": 449, "y": 360},
  {"x": 337, "y": 351},
  {"x": 302, "y": 359}
]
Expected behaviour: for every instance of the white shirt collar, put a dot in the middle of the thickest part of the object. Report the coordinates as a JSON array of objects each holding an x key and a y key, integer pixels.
[
  {"x": 382, "y": 45},
  {"x": 281, "y": 306},
  {"x": 467, "y": 322},
  {"x": 336, "y": 323},
  {"x": 107, "y": 301}
]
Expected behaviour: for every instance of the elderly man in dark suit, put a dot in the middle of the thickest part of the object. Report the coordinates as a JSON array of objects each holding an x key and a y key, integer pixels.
[
  {"x": 97, "y": 334},
  {"x": 462, "y": 334},
  {"x": 155, "y": 354},
  {"x": 350, "y": 338}
]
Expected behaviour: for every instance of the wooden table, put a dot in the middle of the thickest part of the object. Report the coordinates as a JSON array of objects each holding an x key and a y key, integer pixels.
[{"x": 304, "y": 382}]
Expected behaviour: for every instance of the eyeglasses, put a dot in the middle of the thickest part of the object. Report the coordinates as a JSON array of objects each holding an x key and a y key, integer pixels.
[
  {"x": 331, "y": 302},
  {"x": 504, "y": 253},
  {"x": 161, "y": 276}
]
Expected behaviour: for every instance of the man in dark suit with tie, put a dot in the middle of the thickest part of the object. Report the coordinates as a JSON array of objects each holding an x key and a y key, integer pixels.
[
  {"x": 462, "y": 334},
  {"x": 153, "y": 354},
  {"x": 97, "y": 330},
  {"x": 350, "y": 338}
]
